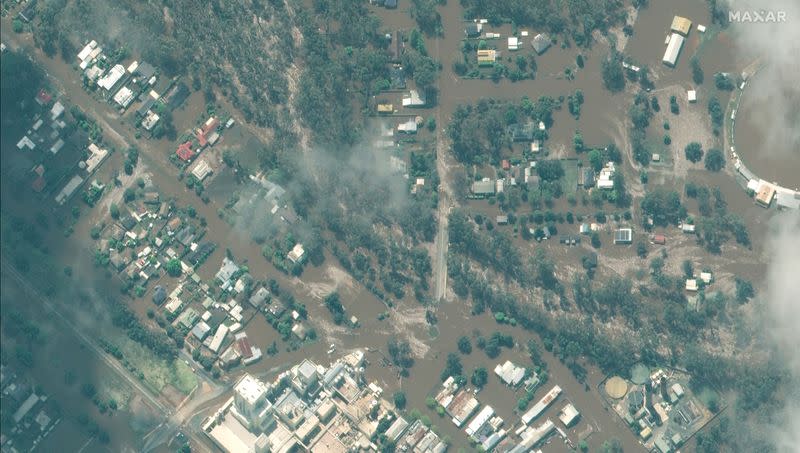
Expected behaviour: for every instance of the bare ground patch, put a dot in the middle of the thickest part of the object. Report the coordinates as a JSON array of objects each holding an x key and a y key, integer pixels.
[{"x": 336, "y": 278}]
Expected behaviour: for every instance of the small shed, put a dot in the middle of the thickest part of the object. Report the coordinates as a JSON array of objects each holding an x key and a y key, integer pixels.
[
  {"x": 659, "y": 239},
  {"x": 681, "y": 25}
]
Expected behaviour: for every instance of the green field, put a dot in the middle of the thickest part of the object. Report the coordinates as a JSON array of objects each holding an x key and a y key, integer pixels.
[
  {"x": 570, "y": 176},
  {"x": 157, "y": 372}
]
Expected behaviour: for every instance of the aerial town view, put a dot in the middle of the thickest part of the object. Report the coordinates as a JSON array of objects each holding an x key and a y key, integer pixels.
[{"x": 418, "y": 226}]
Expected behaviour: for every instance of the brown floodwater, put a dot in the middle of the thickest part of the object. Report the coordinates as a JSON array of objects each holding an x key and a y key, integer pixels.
[{"x": 600, "y": 114}]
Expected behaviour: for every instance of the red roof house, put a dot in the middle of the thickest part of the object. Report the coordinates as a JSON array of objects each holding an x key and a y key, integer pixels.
[
  {"x": 209, "y": 127},
  {"x": 43, "y": 98},
  {"x": 505, "y": 164},
  {"x": 659, "y": 239},
  {"x": 243, "y": 345},
  {"x": 185, "y": 152}
]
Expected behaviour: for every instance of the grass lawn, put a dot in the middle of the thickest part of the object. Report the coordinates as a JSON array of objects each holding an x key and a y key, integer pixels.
[
  {"x": 157, "y": 372},
  {"x": 570, "y": 176}
]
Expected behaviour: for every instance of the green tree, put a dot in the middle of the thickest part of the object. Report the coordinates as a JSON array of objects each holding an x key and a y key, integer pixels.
[
  {"x": 452, "y": 367},
  {"x": 714, "y": 160},
  {"x": 596, "y": 160},
  {"x": 694, "y": 152},
  {"x": 479, "y": 377},
  {"x": 641, "y": 249},
  {"x": 744, "y": 290},
  {"x": 17, "y": 26},
  {"x": 697, "y": 71},
  {"x": 663, "y": 206},
  {"x": 399, "y": 400},
  {"x": 464, "y": 345},
  {"x": 716, "y": 112},
  {"x": 173, "y": 267},
  {"x": 611, "y": 69}
]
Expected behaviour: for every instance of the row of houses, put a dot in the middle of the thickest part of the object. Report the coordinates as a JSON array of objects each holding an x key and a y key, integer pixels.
[
  {"x": 57, "y": 152},
  {"x": 485, "y": 427},
  {"x": 475, "y": 30},
  {"x": 122, "y": 85}
]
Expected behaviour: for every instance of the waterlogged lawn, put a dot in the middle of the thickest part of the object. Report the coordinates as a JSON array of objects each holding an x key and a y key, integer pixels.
[{"x": 153, "y": 371}]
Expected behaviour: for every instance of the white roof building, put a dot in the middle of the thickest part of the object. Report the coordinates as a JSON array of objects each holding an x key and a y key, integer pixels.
[
  {"x": 84, "y": 53},
  {"x": 124, "y": 97},
  {"x": 513, "y": 43},
  {"x": 150, "y": 120},
  {"x": 111, "y": 78},
  {"x": 477, "y": 422},
  {"x": 605, "y": 178},
  {"x": 93, "y": 73},
  {"x": 408, "y": 127},
  {"x": 26, "y": 142},
  {"x": 673, "y": 49},
  {"x": 57, "y": 110},
  {"x": 201, "y": 169},
  {"x": 57, "y": 146},
  {"x": 691, "y": 95},
  {"x": 413, "y": 99},
  {"x": 69, "y": 189},
  {"x": 510, "y": 373},
  {"x": 568, "y": 415},
  {"x": 96, "y": 156},
  {"x": 297, "y": 253},
  {"x": 219, "y": 337}
]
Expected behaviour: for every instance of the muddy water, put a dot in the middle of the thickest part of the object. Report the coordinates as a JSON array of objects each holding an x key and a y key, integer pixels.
[{"x": 599, "y": 113}]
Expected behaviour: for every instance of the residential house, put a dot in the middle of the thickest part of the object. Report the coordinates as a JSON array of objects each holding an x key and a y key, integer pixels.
[
  {"x": 486, "y": 57},
  {"x": 297, "y": 253},
  {"x": 541, "y": 43},
  {"x": 483, "y": 187},
  {"x": 473, "y": 30},
  {"x": 112, "y": 77},
  {"x": 184, "y": 151},
  {"x": 606, "y": 178},
  {"x": 623, "y": 236},
  {"x": 586, "y": 178},
  {"x": 522, "y": 132},
  {"x": 414, "y": 99},
  {"x": 765, "y": 195}
]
